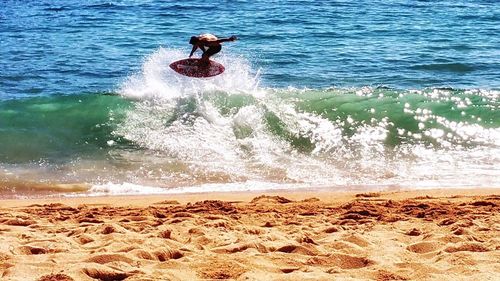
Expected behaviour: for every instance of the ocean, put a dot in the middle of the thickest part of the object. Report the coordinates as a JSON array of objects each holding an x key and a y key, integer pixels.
[{"x": 344, "y": 95}]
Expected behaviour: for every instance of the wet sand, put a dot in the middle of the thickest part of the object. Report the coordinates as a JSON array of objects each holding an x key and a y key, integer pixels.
[{"x": 314, "y": 235}]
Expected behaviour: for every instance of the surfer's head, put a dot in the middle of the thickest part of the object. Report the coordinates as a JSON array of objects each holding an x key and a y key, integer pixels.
[{"x": 193, "y": 40}]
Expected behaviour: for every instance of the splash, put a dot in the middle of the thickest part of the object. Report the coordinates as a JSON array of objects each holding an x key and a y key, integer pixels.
[
  {"x": 219, "y": 128},
  {"x": 157, "y": 81}
]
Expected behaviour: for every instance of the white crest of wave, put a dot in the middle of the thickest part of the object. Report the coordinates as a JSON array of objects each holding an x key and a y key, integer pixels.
[{"x": 180, "y": 118}]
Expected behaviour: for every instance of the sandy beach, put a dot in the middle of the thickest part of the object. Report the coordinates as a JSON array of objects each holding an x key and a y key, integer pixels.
[{"x": 315, "y": 235}]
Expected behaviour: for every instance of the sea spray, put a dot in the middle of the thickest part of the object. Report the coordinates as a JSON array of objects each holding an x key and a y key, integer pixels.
[{"x": 156, "y": 80}]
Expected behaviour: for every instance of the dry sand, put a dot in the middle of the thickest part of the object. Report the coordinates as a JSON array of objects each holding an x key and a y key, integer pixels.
[{"x": 317, "y": 235}]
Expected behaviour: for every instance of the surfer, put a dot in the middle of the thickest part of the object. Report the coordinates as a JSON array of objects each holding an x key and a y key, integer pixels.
[{"x": 209, "y": 44}]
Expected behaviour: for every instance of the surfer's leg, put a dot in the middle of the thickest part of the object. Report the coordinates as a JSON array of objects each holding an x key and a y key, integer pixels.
[
  {"x": 211, "y": 51},
  {"x": 205, "y": 60},
  {"x": 205, "y": 57}
]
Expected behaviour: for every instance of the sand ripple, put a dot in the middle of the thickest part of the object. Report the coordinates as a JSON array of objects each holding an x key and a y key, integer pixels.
[{"x": 370, "y": 236}]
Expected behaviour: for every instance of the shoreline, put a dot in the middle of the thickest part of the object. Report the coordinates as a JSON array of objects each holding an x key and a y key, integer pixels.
[
  {"x": 141, "y": 200},
  {"x": 432, "y": 234}
]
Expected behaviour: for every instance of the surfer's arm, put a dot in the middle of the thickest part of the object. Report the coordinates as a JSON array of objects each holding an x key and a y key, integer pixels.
[
  {"x": 193, "y": 50},
  {"x": 232, "y": 38}
]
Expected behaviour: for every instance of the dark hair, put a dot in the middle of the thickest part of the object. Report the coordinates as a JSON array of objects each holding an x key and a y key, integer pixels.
[{"x": 193, "y": 40}]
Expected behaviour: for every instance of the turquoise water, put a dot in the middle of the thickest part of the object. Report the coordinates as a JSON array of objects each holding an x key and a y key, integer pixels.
[{"x": 365, "y": 94}]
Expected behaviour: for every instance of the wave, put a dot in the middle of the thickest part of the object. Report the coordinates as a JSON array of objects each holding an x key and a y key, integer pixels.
[
  {"x": 56, "y": 128},
  {"x": 433, "y": 117},
  {"x": 163, "y": 130}
]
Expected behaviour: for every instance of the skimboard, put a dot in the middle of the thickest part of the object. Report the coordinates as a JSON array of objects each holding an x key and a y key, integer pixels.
[{"x": 196, "y": 68}]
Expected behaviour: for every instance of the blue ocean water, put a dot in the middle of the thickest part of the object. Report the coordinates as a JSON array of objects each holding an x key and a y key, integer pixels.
[{"x": 316, "y": 93}]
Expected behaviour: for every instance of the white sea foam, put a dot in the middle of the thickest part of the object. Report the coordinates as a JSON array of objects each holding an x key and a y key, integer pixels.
[
  {"x": 238, "y": 143},
  {"x": 226, "y": 133},
  {"x": 136, "y": 189}
]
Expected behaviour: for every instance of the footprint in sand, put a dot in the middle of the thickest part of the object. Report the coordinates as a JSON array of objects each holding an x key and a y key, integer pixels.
[
  {"x": 424, "y": 247},
  {"x": 107, "y": 258},
  {"x": 100, "y": 272},
  {"x": 29, "y": 250},
  {"x": 297, "y": 249},
  {"x": 167, "y": 254},
  {"x": 467, "y": 247},
  {"x": 55, "y": 277},
  {"x": 341, "y": 260}
]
